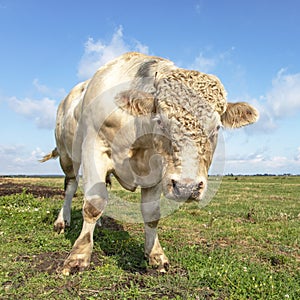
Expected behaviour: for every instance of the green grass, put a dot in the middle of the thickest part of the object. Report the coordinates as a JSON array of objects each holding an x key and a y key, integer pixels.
[{"x": 243, "y": 245}]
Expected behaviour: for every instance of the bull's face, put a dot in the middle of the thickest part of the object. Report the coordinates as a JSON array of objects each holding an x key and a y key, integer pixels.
[
  {"x": 186, "y": 157},
  {"x": 185, "y": 121},
  {"x": 186, "y": 133}
]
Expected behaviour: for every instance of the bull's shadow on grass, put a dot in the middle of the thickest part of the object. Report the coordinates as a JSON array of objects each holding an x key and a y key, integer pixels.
[{"x": 113, "y": 241}]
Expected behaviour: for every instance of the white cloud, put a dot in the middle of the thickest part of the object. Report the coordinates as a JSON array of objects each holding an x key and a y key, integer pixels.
[
  {"x": 42, "y": 112},
  {"x": 297, "y": 156},
  {"x": 280, "y": 102},
  {"x": 7, "y": 150},
  {"x": 139, "y": 47},
  {"x": 19, "y": 160},
  {"x": 262, "y": 160},
  {"x": 47, "y": 91},
  {"x": 40, "y": 87},
  {"x": 28, "y": 158},
  {"x": 204, "y": 64},
  {"x": 284, "y": 97},
  {"x": 260, "y": 154},
  {"x": 208, "y": 63},
  {"x": 261, "y": 164},
  {"x": 266, "y": 122},
  {"x": 98, "y": 53}
]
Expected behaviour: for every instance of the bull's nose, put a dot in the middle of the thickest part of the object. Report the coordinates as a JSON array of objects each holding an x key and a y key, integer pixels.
[{"x": 186, "y": 189}]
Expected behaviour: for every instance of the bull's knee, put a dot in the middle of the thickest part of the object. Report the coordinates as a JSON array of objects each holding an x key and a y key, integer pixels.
[
  {"x": 93, "y": 209},
  {"x": 95, "y": 201}
]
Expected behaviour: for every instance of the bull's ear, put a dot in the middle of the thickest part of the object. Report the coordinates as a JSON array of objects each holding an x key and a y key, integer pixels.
[
  {"x": 135, "y": 102},
  {"x": 239, "y": 114}
]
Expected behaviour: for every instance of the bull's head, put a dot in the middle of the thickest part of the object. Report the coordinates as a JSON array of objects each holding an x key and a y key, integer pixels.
[{"x": 187, "y": 110}]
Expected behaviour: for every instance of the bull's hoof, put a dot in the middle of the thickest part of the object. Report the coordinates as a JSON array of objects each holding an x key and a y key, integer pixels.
[
  {"x": 162, "y": 269},
  {"x": 80, "y": 256},
  {"x": 75, "y": 263},
  {"x": 60, "y": 227},
  {"x": 160, "y": 263}
]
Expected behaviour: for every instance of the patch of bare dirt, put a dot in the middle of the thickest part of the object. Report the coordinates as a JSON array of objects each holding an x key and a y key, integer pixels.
[
  {"x": 45, "y": 262},
  {"x": 52, "y": 262},
  {"x": 110, "y": 223},
  {"x": 10, "y": 187}
]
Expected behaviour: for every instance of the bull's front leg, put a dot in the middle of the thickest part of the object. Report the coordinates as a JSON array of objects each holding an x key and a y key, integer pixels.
[
  {"x": 151, "y": 215},
  {"x": 64, "y": 217},
  {"x": 94, "y": 165}
]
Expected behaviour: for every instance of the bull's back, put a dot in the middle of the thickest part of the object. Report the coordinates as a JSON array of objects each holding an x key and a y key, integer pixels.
[
  {"x": 128, "y": 70},
  {"x": 68, "y": 115}
]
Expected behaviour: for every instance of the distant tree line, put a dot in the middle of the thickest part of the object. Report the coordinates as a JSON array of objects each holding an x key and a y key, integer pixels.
[{"x": 265, "y": 174}]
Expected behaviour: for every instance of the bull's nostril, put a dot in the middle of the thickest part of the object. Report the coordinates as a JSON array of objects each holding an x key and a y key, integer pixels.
[
  {"x": 201, "y": 185},
  {"x": 173, "y": 183},
  {"x": 175, "y": 187}
]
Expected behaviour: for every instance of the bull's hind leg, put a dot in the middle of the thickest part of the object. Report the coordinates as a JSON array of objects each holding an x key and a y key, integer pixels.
[
  {"x": 151, "y": 215},
  {"x": 95, "y": 164},
  {"x": 64, "y": 217}
]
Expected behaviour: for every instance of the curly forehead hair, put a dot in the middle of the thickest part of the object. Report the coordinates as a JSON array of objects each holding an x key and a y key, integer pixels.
[
  {"x": 207, "y": 87},
  {"x": 191, "y": 115},
  {"x": 177, "y": 99}
]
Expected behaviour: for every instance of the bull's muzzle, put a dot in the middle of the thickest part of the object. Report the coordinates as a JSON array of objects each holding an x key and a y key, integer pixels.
[{"x": 187, "y": 190}]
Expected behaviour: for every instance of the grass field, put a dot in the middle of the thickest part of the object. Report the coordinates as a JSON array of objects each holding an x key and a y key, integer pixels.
[{"x": 243, "y": 245}]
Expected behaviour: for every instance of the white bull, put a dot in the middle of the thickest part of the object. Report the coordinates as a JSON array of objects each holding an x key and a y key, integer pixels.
[{"x": 152, "y": 125}]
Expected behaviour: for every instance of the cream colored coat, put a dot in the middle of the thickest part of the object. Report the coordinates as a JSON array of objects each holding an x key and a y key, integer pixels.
[{"x": 152, "y": 125}]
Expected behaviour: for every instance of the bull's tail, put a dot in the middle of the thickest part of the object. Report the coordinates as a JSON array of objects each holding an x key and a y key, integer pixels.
[{"x": 52, "y": 155}]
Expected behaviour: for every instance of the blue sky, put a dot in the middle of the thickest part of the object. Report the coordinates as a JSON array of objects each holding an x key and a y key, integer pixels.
[{"x": 252, "y": 46}]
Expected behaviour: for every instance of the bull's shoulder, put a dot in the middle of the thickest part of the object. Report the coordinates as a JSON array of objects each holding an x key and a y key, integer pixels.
[
  {"x": 69, "y": 106},
  {"x": 75, "y": 94}
]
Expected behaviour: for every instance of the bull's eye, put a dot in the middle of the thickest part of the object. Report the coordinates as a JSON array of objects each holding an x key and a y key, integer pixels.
[
  {"x": 159, "y": 122},
  {"x": 217, "y": 129},
  {"x": 214, "y": 132}
]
